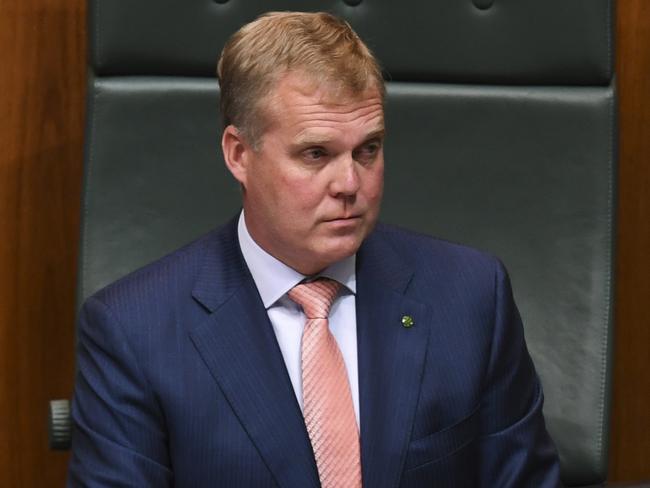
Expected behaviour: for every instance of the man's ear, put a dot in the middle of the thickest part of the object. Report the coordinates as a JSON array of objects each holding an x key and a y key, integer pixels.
[{"x": 236, "y": 153}]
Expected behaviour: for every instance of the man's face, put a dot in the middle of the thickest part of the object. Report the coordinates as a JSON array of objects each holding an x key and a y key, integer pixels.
[{"x": 312, "y": 190}]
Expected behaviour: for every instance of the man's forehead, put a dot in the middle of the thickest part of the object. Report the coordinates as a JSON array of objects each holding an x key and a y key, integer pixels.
[
  {"x": 331, "y": 91},
  {"x": 304, "y": 87},
  {"x": 319, "y": 125},
  {"x": 312, "y": 107}
]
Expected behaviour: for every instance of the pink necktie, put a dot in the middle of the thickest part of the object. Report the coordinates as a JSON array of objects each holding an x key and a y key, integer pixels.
[{"x": 328, "y": 409}]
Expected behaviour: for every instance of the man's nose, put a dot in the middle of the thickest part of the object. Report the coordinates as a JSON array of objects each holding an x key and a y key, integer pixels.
[{"x": 346, "y": 181}]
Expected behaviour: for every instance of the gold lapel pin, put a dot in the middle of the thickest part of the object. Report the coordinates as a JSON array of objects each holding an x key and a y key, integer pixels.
[{"x": 407, "y": 321}]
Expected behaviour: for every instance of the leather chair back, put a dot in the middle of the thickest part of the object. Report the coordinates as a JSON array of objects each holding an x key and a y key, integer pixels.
[{"x": 501, "y": 135}]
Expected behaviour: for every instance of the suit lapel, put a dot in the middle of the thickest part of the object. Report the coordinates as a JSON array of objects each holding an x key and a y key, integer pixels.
[
  {"x": 238, "y": 345},
  {"x": 391, "y": 359}
]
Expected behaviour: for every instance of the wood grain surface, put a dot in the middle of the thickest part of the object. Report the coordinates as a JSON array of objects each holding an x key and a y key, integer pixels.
[
  {"x": 42, "y": 80},
  {"x": 630, "y": 435}
]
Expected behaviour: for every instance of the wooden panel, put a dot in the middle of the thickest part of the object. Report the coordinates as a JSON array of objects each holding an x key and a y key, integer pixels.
[
  {"x": 630, "y": 447},
  {"x": 42, "y": 84}
]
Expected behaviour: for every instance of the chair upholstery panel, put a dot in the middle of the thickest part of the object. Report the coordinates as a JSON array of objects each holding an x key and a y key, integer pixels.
[
  {"x": 536, "y": 163},
  {"x": 511, "y": 42}
]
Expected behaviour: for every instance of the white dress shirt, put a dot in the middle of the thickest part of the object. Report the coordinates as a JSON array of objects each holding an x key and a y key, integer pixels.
[{"x": 274, "y": 279}]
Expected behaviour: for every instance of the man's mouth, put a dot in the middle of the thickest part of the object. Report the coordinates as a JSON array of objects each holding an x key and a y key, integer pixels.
[{"x": 344, "y": 219}]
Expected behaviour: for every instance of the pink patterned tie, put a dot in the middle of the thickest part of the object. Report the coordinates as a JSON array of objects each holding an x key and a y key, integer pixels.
[{"x": 328, "y": 409}]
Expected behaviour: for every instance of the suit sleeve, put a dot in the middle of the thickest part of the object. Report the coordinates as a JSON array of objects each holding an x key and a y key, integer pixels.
[
  {"x": 515, "y": 448},
  {"x": 118, "y": 436}
]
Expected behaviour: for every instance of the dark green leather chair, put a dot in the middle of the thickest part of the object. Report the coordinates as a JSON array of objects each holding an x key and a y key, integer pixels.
[{"x": 501, "y": 134}]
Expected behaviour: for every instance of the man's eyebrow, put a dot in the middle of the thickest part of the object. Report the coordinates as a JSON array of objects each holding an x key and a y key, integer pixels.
[
  {"x": 378, "y": 133},
  {"x": 312, "y": 140},
  {"x": 322, "y": 139}
]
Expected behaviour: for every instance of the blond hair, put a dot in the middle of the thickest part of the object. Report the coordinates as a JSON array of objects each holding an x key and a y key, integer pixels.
[{"x": 320, "y": 45}]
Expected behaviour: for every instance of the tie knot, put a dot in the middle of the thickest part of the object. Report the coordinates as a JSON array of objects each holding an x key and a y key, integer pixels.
[{"x": 315, "y": 297}]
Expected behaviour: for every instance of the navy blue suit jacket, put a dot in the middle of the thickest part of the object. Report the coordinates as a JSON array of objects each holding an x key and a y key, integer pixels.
[{"x": 181, "y": 381}]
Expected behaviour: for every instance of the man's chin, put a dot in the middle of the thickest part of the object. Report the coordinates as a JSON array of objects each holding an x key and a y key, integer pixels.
[
  {"x": 332, "y": 247},
  {"x": 341, "y": 248}
]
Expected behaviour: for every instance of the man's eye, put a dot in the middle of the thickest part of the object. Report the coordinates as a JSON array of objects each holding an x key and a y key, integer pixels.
[
  {"x": 367, "y": 152},
  {"x": 314, "y": 154},
  {"x": 371, "y": 148}
]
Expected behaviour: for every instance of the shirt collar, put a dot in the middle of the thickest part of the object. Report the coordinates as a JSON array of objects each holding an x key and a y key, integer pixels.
[{"x": 274, "y": 279}]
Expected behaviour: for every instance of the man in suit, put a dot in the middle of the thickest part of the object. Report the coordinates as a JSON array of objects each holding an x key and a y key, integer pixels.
[{"x": 302, "y": 344}]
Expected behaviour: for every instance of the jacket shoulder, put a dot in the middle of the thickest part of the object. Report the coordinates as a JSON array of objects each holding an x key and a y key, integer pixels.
[
  {"x": 168, "y": 278},
  {"x": 424, "y": 250}
]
